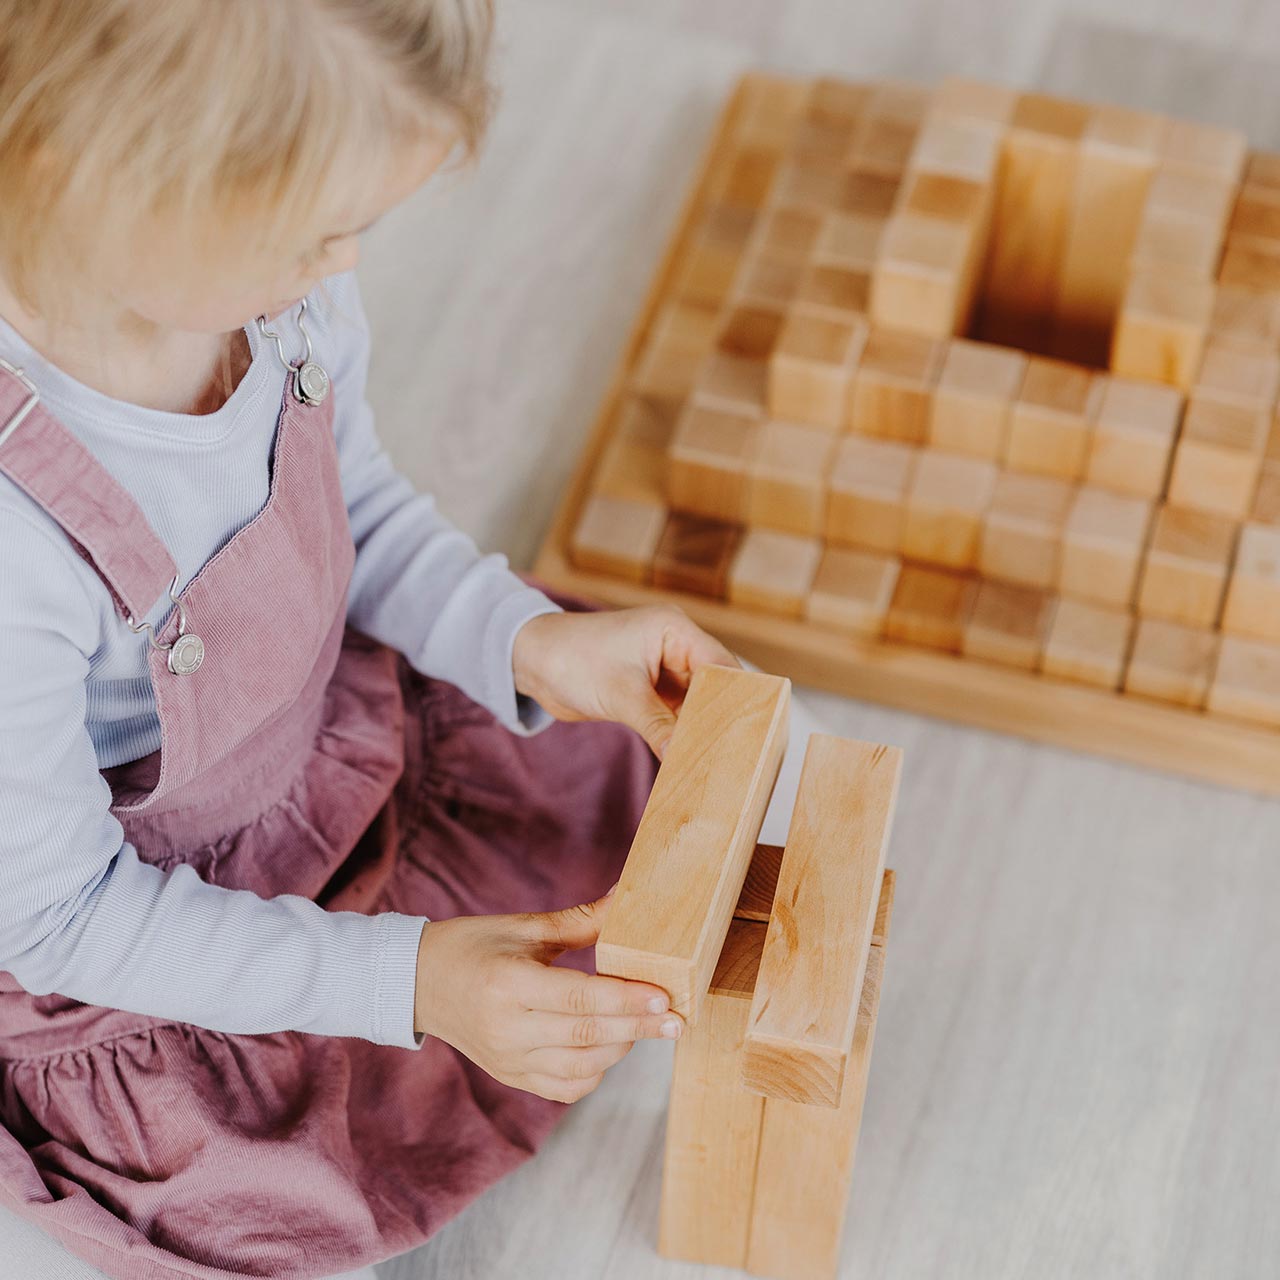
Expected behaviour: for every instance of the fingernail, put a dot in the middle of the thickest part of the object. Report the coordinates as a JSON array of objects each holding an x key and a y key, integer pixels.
[
  {"x": 671, "y": 1028},
  {"x": 611, "y": 890},
  {"x": 657, "y": 1004}
]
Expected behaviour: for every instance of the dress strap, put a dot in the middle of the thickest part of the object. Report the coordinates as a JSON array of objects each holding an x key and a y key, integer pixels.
[{"x": 105, "y": 524}]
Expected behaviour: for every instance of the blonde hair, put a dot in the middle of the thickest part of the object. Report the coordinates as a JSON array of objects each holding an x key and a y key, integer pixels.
[{"x": 210, "y": 113}]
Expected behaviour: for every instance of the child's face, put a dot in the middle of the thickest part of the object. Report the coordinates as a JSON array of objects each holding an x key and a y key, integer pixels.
[{"x": 174, "y": 291}]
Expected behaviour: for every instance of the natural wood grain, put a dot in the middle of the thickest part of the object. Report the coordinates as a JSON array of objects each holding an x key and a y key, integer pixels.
[
  {"x": 804, "y": 1008},
  {"x": 690, "y": 854}
]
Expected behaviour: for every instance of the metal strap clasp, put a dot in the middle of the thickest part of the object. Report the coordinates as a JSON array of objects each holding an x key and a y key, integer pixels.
[
  {"x": 25, "y": 408},
  {"x": 186, "y": 652}
]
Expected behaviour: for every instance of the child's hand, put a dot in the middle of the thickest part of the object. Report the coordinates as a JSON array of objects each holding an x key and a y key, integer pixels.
[
  {"x": 629, "y": 665},
  {"x": 486, "y": 985}
]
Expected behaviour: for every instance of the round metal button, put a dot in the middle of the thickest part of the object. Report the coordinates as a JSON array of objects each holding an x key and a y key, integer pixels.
[
  {"x": 313, "y": 383},
  {"x": 186, "y": 654}
]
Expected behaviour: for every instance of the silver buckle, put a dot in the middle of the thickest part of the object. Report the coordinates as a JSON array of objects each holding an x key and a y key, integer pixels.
[{"x": 30, "y": 403}]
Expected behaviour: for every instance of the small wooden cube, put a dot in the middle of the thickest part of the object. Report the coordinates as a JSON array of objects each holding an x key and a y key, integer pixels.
[
  {"x": 850, "y": 240},
  {"x": 666, "y": 369},
  {"x": 931, "y": 607},
  {"x": 766, "y": 280},
  {"x": 747, "y": 179},
  {"x": 893, "y": 385},
  {"x": 866, "y": 503},
  {"x": 1171, "y": 662},
  {"x": 1246, "y": 317},
  {"x": 1204, "y": 149},
  {"x": 977, "y": 385},
  {"x": 1266, "y": 498},
  {"x": 807, "y": 184},
  {"x": 685, "y": 326},
  {"x": 1009, "y": 624},
  {"x": 980, "y": 100},
  {"x": 787, "y": 481},
  {"x": 706, "y": 276},
  {"x": 921, "y": 281},
  {"x": 1050, "y": 423},
  {"x": 1170, "y": 240},
  {"x": 1103, "y": 545},
  {"x": 839, "y": 291},
  {"x": 1219, "y": 457},
  {"x": 617, "y": 536},
  {"x": 1186, "y": 566},
  {"x": 1022, "y": 535},
  {"x": 811, "y": 369},
  {"x": 1256, "y": 214},
  {"x": 1246, "y": 682},
  {"x": 694, "y": 554},
  {"x": 774, "y": 571},
  {"x": 882, "y": 144},
  {"x": 734, "y": 383},
  {"x": 1251, "y": 264},
  {"x": 787, "y": 231},
  {"x": 709, "y": 460},
  {"x": 1133, "y": 435},
  {"x": 958, "y": 148},
  {"x": 1161, "y": 327},
  {"x": 1252, "y": 606},
  {"x": 750, "y": 330},
  {"x": 1088, "y": 643},
  {"x": 852, "y": 590},
  {"x": 1235, "y": 375},
  {"x": 946, "y": 500},
  {"x": 634, "y": 462},
  {"x": 870, "y": 194},
  {"x": 947, "y": 197}
]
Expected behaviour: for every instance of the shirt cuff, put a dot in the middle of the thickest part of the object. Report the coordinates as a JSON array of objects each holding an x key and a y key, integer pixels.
[
  {"x": 396, "y": 981},
  {"x": 518, "y": 712}
]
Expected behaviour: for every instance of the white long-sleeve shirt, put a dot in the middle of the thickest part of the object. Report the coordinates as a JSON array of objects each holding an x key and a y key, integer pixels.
[{"x": 80, "y": 913}]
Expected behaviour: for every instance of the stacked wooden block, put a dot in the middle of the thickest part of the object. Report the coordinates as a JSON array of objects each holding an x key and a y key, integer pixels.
[
  {"x": 873, "y": 394},
  {"x": 775, "y": 959}
]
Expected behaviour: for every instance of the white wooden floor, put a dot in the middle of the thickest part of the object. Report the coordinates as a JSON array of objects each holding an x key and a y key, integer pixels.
[
  {"x": 1075, "y": 1071},
  {"x": 1076, "y": 1065}
]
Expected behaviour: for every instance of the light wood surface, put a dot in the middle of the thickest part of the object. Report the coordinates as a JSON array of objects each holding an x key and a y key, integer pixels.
[{"x": 690, "y": 854}]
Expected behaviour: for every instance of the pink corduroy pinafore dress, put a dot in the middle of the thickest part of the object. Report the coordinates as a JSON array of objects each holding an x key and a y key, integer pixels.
[{"x": 301, "y": 757}]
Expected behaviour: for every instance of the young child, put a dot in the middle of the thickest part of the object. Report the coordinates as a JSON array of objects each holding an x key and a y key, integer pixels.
[{"x": 264, "y": 712}]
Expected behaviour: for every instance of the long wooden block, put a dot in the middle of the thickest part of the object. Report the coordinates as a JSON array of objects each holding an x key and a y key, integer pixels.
[
  {"x": 1022, "y": 535},
  {"x": 866, "y": 505},
  {"x": 1115, "y": 161},
  {"x": 1187, "y": 565},
  {"x": 1161, "y": 327},
  {"x": 976, "y": 389},
  {"x": 806, "y": 1155},
  {"x": 787, "y": 477},
  {"x": 893, "y": 385},
  {"x": 1133, "y": 435},
  {"x": 1103, "y": 545},
  {"x": 709, "y": 462},
  {"x": 1171, "y": 662},
  {"x": 1218, "y": 458},
  {"x": 713, "y": 1120},
  {"x": 675, "y": 897},
  {"x": 811, "y": 368},
  {"x": 946, "y": 500},
  {"x": 1088, "y": 643},
  {"x": 1252, "y": 607},
  {"x": 804, "y": 1010},
  {"x": 618, "y": 535},
  {"x": 774, "y": 571},
  {"x": 1051, "y": 422}
]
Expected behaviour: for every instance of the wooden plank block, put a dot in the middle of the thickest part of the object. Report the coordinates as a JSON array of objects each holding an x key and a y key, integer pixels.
[
  {"x": 766, "y": 279},
  {"x": 1034, "y": 199},
  {"x": 946, "y": 500},
  {"x": 1133, "y": 435},
  {"x": 1114, "y": 164},
  {"x": 1022, "y": 534},
  {"x": 1250, "y": 263},
  {"x": 1204, "y": 149},
  {"x": 713, "y": 1123},
  {"x": 708, "y": 462},
  {"x": 811, "y": 369},
  {"x": 1050, "y": 423},
  {"x": 1187, "y": 566},
  {"x": 674, "y": 900},
  {"x": 1088, "y": 643},
  {"x": 1171, "y": 662},
  {"x": 787, "y": 477},
  {"x": 852, "y": 590},
  {"x": 1170, "y": 240},
  {"x": 977, "y": 385},
  {"x": 1103, "y": 545},
  {"x": 788, "y": 231},
  {"x": 1252, "y": 607},
  {"x": 735, "y": 384},
  {"x": 869, "y": 194},
  {"x": 1161, "y": 327},
  {"x": 931, "y": 607},
  {"x": 694, "y": 554},
  {"x": 893, "y": 385},
  {"x": 866, "y": 501},
  {"x": 956, "y": 147},
  {"x": 805, "y": 1005},
  {"x": 1246, "y": 682},
  {"x": 618, "y": 536},
  {"x": 807, "y": 1154},
  {"x": 774, "y": 571},
  {"x": 1218, "y": 458},
  {"x": 882, "y": 143},
  {"x": 749, "y": 329},
  {"x": 1255, "y": 214},
  {"x": 1009, "y": 624}
]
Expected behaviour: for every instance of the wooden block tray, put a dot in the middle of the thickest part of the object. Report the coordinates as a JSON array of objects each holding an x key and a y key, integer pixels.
[{"x": 1167, "y": 341}]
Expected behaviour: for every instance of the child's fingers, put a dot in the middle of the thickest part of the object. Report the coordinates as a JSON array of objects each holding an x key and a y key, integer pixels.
[
  {"x": 591, "y": 1030},
  {"x": 557, "y": 1089},
  {"x": 566, "y": 1063}
]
